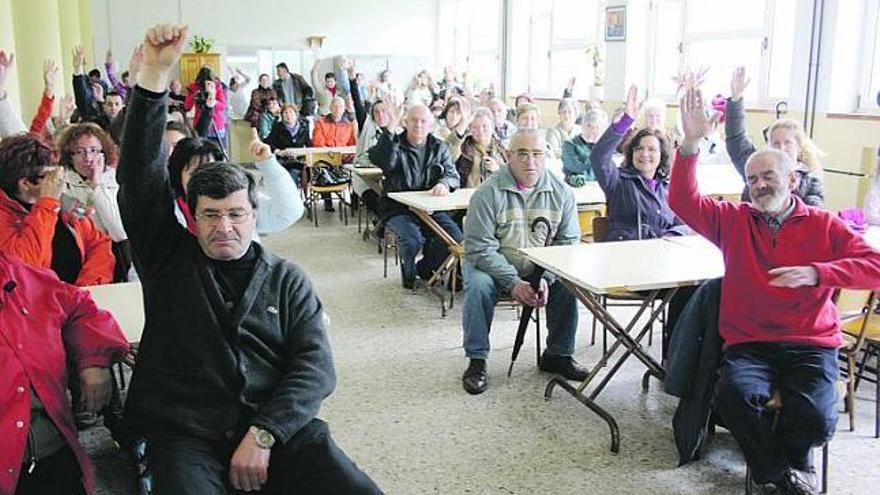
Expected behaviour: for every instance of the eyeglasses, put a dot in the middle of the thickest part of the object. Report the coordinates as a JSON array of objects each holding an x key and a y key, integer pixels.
[
  {"x": 526, "y": 154},
  {"x": 84, "y": 152},
  {"x": 214, "y": 218}
]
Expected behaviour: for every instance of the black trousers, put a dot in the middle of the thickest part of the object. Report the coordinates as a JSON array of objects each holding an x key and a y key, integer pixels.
[
  {"x": 310, "y": 463},
  {"x": 58, "y": 474},
  {"x": 805, "y": 377}
]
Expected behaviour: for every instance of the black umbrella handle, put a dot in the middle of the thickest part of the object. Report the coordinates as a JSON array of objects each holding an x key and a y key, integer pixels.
[{"x": 535, "y": 278}]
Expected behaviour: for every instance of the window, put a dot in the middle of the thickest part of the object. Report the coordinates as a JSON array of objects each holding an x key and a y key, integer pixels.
[
  {"x": 469, "y": 39},
  {"x": 720, "y": 35},
  {"x": 869, "y": 94},
  {"x": 549, "y": 45}
]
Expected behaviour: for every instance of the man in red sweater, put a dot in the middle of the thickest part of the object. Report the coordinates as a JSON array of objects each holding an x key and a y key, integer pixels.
[{"x": 780, "y": 328}]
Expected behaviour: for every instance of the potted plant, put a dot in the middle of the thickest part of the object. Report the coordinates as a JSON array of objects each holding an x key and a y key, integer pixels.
[
  {"x": 596, "y": 52},
  {"x": 201, "y": 44}
]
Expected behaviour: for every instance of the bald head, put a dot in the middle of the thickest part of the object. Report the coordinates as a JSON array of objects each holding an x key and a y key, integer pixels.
[{"x": 419, "y": 122}]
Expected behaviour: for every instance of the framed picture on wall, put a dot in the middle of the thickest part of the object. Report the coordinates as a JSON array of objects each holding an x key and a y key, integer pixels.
[{"x": 615, "y": 23}]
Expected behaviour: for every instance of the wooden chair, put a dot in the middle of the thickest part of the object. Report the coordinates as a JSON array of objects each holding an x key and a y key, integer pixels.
[
  {"x": 600, "y": 234},
  {"x": 861, "y": 334}
]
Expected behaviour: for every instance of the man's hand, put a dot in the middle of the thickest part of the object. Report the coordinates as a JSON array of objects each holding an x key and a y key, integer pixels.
[
  {"x": 162, "y": 46},
  {"x": 524, "y": 293},
  {"x": 490, "y": 164},
  {"x": 794, "y": 276},
  {"x": 98, "y": 92},
  {"x": 249, "y": 467},
  {"x": 7, "y": 62},
  {"x": 350, "y": 69},
  {"x": 260, "y": 150},
  {"x": 440, "y": 190},
  {"x": 52, "y": 183},
  {"x": 50, "y": 76},
  {"x": 79, "y": 59},
  {"x": 738, "y": 83},
  {"x": 694, "y": 120},
  {"x": 95, "y": 385}
]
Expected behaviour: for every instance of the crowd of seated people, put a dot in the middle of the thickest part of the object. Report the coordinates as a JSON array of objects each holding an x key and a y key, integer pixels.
[{"x": 59, "y": 186}]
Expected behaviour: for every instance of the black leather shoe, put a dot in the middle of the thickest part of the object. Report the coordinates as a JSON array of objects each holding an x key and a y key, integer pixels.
[
  {"x": 563, "y": 365},
  {"x": 475, "y": 379}
]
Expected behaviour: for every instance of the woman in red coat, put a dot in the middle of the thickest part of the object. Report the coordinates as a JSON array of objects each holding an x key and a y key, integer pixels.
[{"x": 44, "y": 323}]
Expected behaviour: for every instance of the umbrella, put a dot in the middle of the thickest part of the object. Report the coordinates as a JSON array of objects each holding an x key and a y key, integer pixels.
[{"x": 534, "y": 279}]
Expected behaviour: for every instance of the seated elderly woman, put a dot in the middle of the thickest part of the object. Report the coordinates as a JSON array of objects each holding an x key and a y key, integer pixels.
[
  {"x": 566, "y": 129},
  {"x": 528, "y": 116},
  {"x": 288, "y": 134},
  {"x": 576, "y": 151},
  {"x": 89, "y": 158},
  {"x": 482, "y": 153},
  {"x": 504, "y": 128},
  {"x": 636, "y": 193},
  {"x": 42, "y": 226},
  {"x": 785, "y": 134},
  {"x": 653, "y": 118}
]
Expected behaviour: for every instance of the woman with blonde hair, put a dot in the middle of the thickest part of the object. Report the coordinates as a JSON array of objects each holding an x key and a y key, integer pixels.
[{"x": 786, "y": 135}]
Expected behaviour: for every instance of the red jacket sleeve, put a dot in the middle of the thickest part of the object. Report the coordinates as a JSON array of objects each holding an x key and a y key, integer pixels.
[
  {"x": 98, "y": 259},
  {"x": 701, "y": 213},
  {"x": 44, "y": 111},
  {"x": 31, "y": 239},
  {"x": 91, "y": 335},
  {"x": 856, "y": 264},
  {"x": 351, "y": 140}
]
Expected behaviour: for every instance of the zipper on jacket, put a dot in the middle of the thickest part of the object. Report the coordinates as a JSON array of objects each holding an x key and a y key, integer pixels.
[{"x": 32, "y": 449}]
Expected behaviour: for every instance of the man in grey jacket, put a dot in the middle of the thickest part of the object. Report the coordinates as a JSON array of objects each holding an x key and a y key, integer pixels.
[
  {"x": 499, "y": 220},
  {"x": 234, "y": 362}
]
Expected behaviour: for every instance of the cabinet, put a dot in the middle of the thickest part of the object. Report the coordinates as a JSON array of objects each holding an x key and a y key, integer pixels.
[{"x": 190, "y": 63}]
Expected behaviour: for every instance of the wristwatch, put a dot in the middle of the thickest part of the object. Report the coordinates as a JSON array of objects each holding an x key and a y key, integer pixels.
[{"x": 265, "y": 439}]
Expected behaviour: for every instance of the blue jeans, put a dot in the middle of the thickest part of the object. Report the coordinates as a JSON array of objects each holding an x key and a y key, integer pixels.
[
  {"x": 412, "y": 235},
  {"x": 481, "y": 293},
  {"x": 805, "y": 377}
]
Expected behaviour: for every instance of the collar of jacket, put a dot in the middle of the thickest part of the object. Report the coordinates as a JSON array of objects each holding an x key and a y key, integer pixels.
[
  {"x": 430, "y": 142},
  {"x": 469, "y": 148},
  {"x": 507, "y": 182},
  {"x": 800, "y": 210},
  {"x": 12, "y": 204}
]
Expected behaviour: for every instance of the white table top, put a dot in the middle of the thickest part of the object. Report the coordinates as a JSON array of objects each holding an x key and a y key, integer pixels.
[
  {"x": 614, "y": 267},
  {"x": 872, "y": 236},
  {"x": 125, "y": 301},
  {"x": 590, "y": 194},
  {"x": 328, "y": 149}
]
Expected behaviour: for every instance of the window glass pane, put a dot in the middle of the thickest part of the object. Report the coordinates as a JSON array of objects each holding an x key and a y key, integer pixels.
[
  {"x": 567, "y": 64},
  {"x": 666, "y": 55},
  {"x": 539, "y": 71},
  {"x": 706, "y": 16},
  {"x": 574, "y": 20},
  {"x": 484, "y": 69},
  {"x": 519, "y": 44},
  {"x": 721, "y": 57},
  {"x": 782, "y": 48},
  {"x": 872, "y": 99}
]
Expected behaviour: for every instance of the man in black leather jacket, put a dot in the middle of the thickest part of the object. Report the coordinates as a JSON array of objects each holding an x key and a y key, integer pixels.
[
  {"x": 234, "y": 362},
  {"x": 416, "y": 160}
]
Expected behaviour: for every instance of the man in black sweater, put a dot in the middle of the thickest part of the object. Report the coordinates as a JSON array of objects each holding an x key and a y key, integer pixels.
[{"x": 234, "y": 361}]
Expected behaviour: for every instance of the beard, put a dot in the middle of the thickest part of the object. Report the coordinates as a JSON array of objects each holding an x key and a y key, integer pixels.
[{"x": 770, "y": 200}]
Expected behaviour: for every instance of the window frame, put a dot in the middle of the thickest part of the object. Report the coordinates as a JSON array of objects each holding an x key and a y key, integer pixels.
[{"x": 866, "y": 102}]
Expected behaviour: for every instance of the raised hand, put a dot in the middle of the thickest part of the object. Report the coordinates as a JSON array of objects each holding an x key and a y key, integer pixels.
[
  {"x": 695, "y": 122},
  {"x": 50, "y": 76},
  {"x": 134, "y": 65},
  {"x": 632, "y": 105},
  {"x": 350, "y": 70},
  {"x": 7, "y": 62},
  {"x": 260, "y": 150},
  {"x": 98, "y": 91},
  {"x": 68, "y": 105},
  {"x": 162, "y": 46},
  {"x": 79, "y": 59},
  {"x": 108, "y": 59},
  {"x": 738, "y": 83}
]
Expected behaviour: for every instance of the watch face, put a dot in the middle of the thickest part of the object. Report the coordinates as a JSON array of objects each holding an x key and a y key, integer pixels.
[{"x": 264, "y": 438}]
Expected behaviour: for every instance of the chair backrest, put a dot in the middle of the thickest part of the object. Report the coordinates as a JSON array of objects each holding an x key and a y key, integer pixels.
[
  {"x": 851, "y": 302},
  {"x": 600, "y": 229},
  {"x": 856, "y": 308}
]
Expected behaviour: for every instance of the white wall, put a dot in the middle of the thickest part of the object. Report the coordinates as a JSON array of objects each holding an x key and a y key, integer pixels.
[{"x": 359, "y": 27}]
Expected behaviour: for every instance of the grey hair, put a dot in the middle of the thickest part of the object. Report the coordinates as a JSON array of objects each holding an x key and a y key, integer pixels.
[
  {"x": 596, "y": 117},
  {"x": 338, "y": 98},
  {"x": 483, "y": 112},
  {"x": 498, "y": 100},
  {"x": 784, "y": 164},
  {"x": 571, "y": 103},
  {"x": 416, "y": 106}
]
